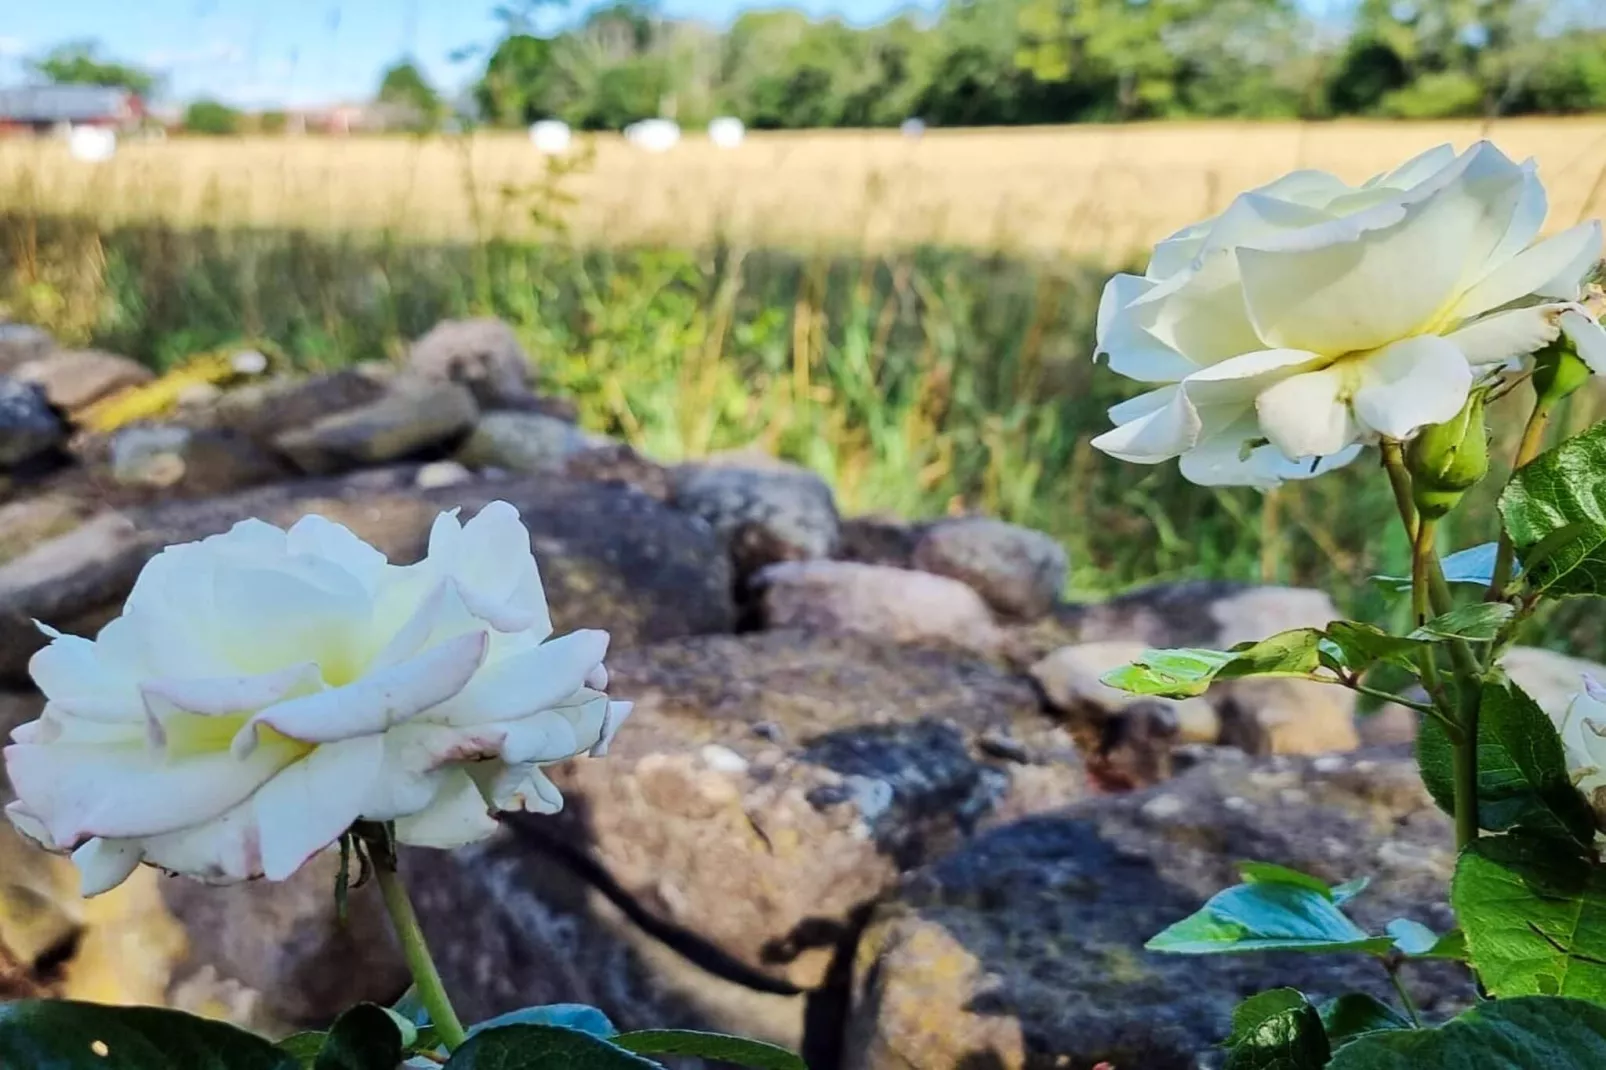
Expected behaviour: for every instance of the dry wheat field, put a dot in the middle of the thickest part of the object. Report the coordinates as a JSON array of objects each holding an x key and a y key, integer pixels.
[{"x": 1088, "y": 190}]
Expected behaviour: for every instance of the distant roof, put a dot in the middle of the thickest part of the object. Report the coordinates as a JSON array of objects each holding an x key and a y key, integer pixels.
[{"x": 63, "y": 103}]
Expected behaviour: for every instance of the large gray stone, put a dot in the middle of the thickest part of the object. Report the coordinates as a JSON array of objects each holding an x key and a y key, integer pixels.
[
  {"x": 527, "y": 442},
  {"x": 769, "y": 785},
  {"x": 779, "y": 513},
  {"x": 21, "y": 343},
  {"x": 173, "y": 457},
  {"x": 888, "y": 603},
  {"x": 1550, "y": 678},
  {"x": 1025, "y": 948},
  {"x": 27, "y": 426},
  {"x": 411, "y": 418},
  {"x": 268, "y": 409},
  {"x": 74, "y": 379},
  {"x": 610, "y": 557},
  {"x": 482, "y": 355},
  {"x": 1019, "y": 571}
]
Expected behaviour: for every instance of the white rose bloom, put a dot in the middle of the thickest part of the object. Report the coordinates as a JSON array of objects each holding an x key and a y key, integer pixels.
[
  {"x": 264, "y": 689},
  {"x": 1583, "y": 734},
  {"x": 1312, "y": 317}
]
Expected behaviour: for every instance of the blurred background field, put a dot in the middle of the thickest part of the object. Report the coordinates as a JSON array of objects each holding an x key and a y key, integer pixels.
[
  {"x": 910, "y": 313},
  {"x": 1098, "y": 192}
]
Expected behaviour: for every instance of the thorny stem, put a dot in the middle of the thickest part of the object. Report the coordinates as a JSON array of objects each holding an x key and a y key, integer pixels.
[
  {"x": 1393, "y": 968},
  {"x": 1533, "y": 440},
  {"x": 426, "y": 978}
]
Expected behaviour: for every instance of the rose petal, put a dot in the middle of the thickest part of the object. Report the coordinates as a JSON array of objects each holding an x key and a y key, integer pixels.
[
  {"x": 522, "y": 684},
  {"x": 1161, "y": 434},
  {"x": 373, "y": 703},
  {"x": 1306, "y": 416},
  {"x": 1507, "y": 336},
  {"x": 309, "y": 805},
  {"x": 1559, "y": 262},
  {"x": 1131, "y": 349},
  {"x": 1411, "y": 384},
  {"x": 104, "y": 864},
  {"x": 457, "y": 816},
  {"x": 1587, "y": 337}
]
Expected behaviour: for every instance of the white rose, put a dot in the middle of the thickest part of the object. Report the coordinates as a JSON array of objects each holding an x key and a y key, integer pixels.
[
  {"x": 1583, "y": 735},
  {"x": 263, "y": 690},
  {"x": 1312, "y": 317}
]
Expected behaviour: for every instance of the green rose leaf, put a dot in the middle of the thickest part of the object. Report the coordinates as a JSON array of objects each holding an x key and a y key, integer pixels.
[
  {"x": 1530, "y": 1033},
  {"x": 1189, "y": 671},
  {"x": 1554, "y": 509},
  {"x": 542, "y": 1047},
  {"x": 1269, "y": 915},
  {"x": 1357, "y": 647},
  {"x": 1420, "y": 942},
  {"x": 738, "y": 1051},
  {"x": 1473, "y": 566},
  {"x": 1356, "y": 1014},
  {"x": 304, "y": 1047},
  {"x": 1522, "y": 771},
  {"x": 1535, "y": 918},
  {"x": 1180, "y": 673},
  {"x": 579, "y": 1016},
  {"x": 1478, "y": 622},
  {"x": 1277, "y": 1030},
  {"x": 366, "y": 1037},
  {"x": 66, "y": 1035}
]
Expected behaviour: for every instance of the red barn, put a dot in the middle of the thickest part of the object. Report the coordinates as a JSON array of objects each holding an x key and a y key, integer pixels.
[{"x": 42, "y": 108}]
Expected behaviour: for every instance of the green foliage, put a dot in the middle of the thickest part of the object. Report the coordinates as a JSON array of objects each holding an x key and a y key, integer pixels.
[
  {"x": 65, "y": 1035},
  {"x": 1535, "y": 918},
  {"x": 737, "y": 1051},
  {"x": 542, "y": 1047},
  {"x": 1046, "y": 61},
  {"x": 82, "y": 63},
  {"x": 1530, "y": 1033},
  {"x": 212, "y": 118},
  {"x": 1277, "y": 1030},
  {"x": 1523, "y": 780},
  {"x": 1278, "y": 910},
  {"x": 404, "y": 86},
  {"x": 366, "y": 1037},
  {"x": 1555, "y": 512},
  {"x": 1355, "y": 1014},
  {"x": 1478, "y": 623}
]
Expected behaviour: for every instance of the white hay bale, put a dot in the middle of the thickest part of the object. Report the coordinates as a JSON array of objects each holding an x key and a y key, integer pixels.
[
  {"x": 653, "y": 135},
  {"x": 92, "y": 144},
  {"x": 551, "y": 136},
  {"x": 727, "y": 131}
]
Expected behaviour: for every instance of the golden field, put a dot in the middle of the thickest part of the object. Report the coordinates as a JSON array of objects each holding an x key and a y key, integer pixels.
[{"x": 1086, "y": 190}]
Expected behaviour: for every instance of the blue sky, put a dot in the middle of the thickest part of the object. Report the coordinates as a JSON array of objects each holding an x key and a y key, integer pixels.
[{"x": 299, "y": 51}]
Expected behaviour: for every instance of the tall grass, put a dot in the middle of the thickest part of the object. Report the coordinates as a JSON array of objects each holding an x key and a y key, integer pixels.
[{"x": 920, "y": 384}]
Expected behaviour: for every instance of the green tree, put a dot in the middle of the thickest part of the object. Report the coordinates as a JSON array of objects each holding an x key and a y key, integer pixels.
[
  {"x": 211, "y": 117},
  {"x": 517, "y": 78},
  {"x": 82, "y": 63},
  {"x": 404, "y": 86}
]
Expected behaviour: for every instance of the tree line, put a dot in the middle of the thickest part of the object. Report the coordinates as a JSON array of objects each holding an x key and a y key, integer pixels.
[
  {"x": 996, "y": 62},
  {"x": 1001, "y": 62}
]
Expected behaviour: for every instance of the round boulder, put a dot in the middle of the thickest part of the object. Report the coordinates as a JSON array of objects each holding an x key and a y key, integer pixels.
[{"x": 1019, "y": 571}]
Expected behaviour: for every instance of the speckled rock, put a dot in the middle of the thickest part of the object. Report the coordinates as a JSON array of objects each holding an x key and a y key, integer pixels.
[
  {"x": 27, "y": 426},
  {"x": 21, "y": 343},
  {"x": 890, "y": 603},
  {"x": 615, "y": 462},
  {"x": 1025, "y": 948},
  {"x": 172, "y": 457},
  {"x": 411, "y": 418},
  {"x": 766, "y": 515},
  {"x": 285, "y": 941},
  {"x": 74, "y": 379},
  {"x": 872, "y": 540},
  {"x": 771, "y": 784},
  {"x": 269, "y": 409},
  {"x": 482, "y": 355},
  {"x": 610, "y": 556},
  {"x": 1020, "y": 572},
  {"x": 528, "y": 442}
]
